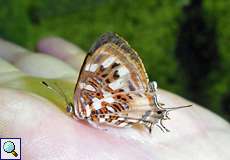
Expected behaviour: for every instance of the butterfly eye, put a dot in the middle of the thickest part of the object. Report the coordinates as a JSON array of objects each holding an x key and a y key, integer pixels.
[{"x": 159, "y": 112}]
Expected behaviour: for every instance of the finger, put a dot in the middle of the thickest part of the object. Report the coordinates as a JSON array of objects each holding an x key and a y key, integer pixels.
[
  {"x": 63, "y": 50},
  {"x": 8, "y": 72},
  {"x": 6, "y": 67},
  {"x": 12, "y": 77},
  {"x": 47, "y": 133},
  {"x": 45, "y": 66},
  {"x": 38, "y": 65},
  {"x": 11, "y": 52}
]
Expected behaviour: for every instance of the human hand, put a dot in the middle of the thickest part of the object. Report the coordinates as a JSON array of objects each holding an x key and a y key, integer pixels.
[{"x": 30, "y": 111}]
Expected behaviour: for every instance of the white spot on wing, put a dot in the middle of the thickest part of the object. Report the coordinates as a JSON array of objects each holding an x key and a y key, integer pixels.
[
  {"x": 108, "y": 61},
  {"x": 88, "y": 110},
  {"x": 81, "y": 85},
  {"x": 82, "y": 99},
  {"x": 109, "y": 100},
  {"x": 110, "y": 109},
  {"x": 117, "y": 84},
  {"x": 123, "y": 124},
  {"x": 106, "y": 94},
  {"x": 123, "y": 71},
  {"x": 91, "y": 67},
  {"x": 97, "y": 102},
  {"x": 87, "y": 67},
  {"x": 102, "y": 120},
  {"x": 90, "y": 88},
  {"x": 133, "y": 120}
]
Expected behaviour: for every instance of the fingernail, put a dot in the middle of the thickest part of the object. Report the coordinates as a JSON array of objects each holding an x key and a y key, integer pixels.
[
  {"x": 63, "y": 50},
  {"x": 8, "y": 72}
]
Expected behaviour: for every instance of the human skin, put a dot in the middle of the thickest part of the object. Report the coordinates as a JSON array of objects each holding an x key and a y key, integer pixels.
[{"x": 37, "y": 115}]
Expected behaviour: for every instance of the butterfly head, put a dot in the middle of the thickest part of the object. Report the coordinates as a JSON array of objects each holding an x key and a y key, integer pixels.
[
  {"x": 70, "y": 108},
  {"x": 161, "y": 113}
]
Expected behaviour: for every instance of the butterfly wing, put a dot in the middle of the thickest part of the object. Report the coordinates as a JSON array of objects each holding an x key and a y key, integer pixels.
[{"x": 113, "y": 85}]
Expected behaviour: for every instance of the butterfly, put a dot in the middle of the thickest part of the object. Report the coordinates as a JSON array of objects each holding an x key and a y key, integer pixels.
[{"x": 113, "y": 88}]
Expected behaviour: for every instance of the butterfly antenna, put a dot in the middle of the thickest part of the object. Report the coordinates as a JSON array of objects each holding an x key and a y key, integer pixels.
[
  {"x": 175, "y": 108},
  {"x": 58, "y": 90},
  {"x": 153, "y": 87}
]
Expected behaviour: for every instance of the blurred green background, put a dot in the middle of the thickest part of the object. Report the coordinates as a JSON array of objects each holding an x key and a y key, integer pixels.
[{"x": 184, "y": 44}]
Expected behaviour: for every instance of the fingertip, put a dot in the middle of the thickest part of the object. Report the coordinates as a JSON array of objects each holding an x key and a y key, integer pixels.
[
  {"x": 45, "y": 66},
  {"x": 11, "y": 52},
  {"x": 63, "y": 50},
  {"x": 6, "y": 67}
]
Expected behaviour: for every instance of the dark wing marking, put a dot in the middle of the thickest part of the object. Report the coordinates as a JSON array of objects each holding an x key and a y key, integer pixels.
[{"x": 111, "y": 37}]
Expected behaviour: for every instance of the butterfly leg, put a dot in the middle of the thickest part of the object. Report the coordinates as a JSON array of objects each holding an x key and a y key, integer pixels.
[
  {"x": 149, "y": 126},
  {"x": 153, "y": 87},
  {"x": 161, "y": 126}
]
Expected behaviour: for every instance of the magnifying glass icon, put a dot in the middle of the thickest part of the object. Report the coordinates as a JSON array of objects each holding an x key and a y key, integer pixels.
[{"x": 9, "y": 147}]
